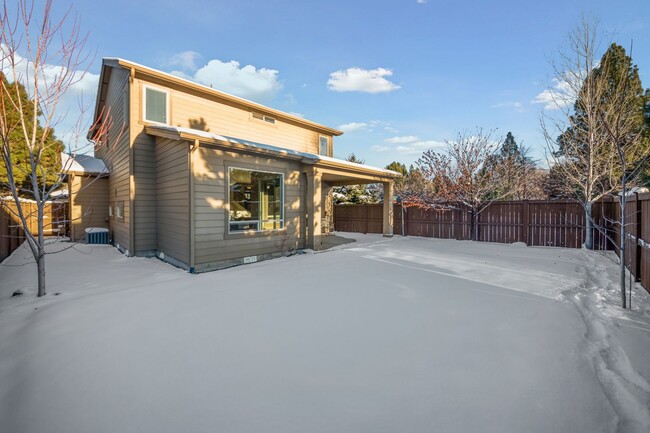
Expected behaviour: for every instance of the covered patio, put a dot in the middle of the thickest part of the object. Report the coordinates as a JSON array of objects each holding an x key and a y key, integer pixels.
[{"x": 327, "y": 173}]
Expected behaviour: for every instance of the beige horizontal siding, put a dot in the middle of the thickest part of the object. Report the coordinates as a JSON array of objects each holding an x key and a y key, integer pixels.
[
  {"x": 88, "y": 204},
  {"x": 215, "y": 115},
  {"x": 156, "y": 175}
]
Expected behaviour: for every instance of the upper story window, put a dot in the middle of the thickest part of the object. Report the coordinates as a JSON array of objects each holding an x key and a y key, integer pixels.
[
  {"x": 263, "y": 118},
  {"x": 155, "y": 105},
  {"x": 324, "y": 146}
]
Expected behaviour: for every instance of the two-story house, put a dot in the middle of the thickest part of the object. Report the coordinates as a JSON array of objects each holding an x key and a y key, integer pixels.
[{"x": 206, "y": 180}]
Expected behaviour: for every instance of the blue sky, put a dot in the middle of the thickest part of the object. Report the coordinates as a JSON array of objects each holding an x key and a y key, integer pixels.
[{"x": 397, "y": 76}]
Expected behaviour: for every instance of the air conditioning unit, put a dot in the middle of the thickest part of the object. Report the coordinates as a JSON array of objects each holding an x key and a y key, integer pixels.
[{"x": 97, "y": 235}]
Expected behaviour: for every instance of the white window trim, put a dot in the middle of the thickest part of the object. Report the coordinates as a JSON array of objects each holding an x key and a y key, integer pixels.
[
  {"x": 329, "y": 144},
  {"x": 144, "y": 104},
  {"x": 119, "y": 210},
  {"x": 259, "y": 230}
]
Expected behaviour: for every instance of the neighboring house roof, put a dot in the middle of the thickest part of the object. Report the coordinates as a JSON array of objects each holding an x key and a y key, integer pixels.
[
  {"x": 135, "y": 67},
  {"x": 181, "y": 133},
  {"x": 82, "y": 164}
]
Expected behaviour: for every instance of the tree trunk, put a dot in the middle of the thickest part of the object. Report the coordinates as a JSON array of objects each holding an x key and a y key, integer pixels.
[
  {"x": 474, "y": 225},
  {"x": 40, "y": 266},
  {"x": 622, "y": 254},
  {"x": 589, "y": 228},
  {"x": 622, "y": 203},
  {"x": 40, "y": 260}
]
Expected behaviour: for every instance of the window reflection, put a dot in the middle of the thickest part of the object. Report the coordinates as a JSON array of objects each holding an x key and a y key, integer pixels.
[{"x": 255, "y": 200}]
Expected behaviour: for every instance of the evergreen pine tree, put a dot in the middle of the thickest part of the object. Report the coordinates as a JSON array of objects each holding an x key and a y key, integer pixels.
[
  {"x": 574, "y": 142},
  {"x": 50, "y": 157}
]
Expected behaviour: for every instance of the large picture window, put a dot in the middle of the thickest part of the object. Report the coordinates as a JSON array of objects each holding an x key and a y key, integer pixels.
[{"x": 256, "y": 200}]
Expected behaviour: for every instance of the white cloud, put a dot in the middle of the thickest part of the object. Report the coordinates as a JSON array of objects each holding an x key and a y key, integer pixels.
[
  {"x": 293, "y": 113},
  {"x": 353, "y": 126},
  {"x": 561, "y": 95},
  {"x": 516, "y": 105},
  {"x": 402, "y": 140},
  {"x": 369, "y": 126},
  {"x": 412, "y": 148},
  {"x": 244, "y": 81},
  {"x": 186, "y": 60},
  {"x": 362, "y": 80},
  {"x": 422, "y": 1},
  {"x": 73, "y": 111}
]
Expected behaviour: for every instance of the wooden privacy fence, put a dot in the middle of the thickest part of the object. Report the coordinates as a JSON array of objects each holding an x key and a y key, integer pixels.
[
  {"x": 637, "y": 227},
  {"x": 12, "y": 234},
  {"x": 364, "y": 218},
  {"x": 557, "y": 223}
]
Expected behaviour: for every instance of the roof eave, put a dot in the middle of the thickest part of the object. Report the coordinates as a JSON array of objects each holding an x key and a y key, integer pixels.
[
  {"x": 361, "y": 169},
  {"x": 305, "y": 158},
  {"x": 111, "y": 61}
]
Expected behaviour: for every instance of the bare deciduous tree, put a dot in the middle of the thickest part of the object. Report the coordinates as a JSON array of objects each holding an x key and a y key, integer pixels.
[
  {"x": 460, "y": 175},
  {"x": 622, "y": 120},
  {"x": 47, "y": 57},
  {"x": 575, "y": 136},
  {"x": 579, "y": 145},
  {"x": 596, "y": 140}
]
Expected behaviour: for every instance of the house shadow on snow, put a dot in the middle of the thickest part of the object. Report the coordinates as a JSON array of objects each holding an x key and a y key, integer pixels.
[{"x": 332, "y": 240}]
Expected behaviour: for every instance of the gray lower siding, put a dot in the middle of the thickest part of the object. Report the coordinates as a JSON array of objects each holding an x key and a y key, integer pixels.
[
  {"x": 214, "y": 247},
  {"x": 172, "y": 207},
  {"x": 229, "y": 263}
]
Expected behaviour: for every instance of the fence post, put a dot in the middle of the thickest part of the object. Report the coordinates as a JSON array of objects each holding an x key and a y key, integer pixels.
[
  {"x": 525, "y": 221},
  {"x": 639, "y": 227},
  {"x": 365, "y": 208}
]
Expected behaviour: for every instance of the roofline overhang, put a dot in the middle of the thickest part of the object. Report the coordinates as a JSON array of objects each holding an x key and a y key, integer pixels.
[
  {"x": 305, "y": 158},
  {"x": 164, "y": 76},
  {"x": 340, "y": 165}
]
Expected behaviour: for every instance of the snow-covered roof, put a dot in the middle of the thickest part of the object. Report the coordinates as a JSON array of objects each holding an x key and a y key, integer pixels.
[
  {"x": 61, "y": 193},
  {"x": 85, "y": 164},
  {"x": 281, "y": 151}
]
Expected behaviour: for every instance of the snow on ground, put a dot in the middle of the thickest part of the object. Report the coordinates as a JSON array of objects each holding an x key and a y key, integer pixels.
[{"x": 380, "y": 335}]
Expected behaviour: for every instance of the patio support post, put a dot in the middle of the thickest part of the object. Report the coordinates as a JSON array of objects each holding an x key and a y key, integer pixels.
[
  {"x": 314, "y": 209},
  {"x": 388, "y": 209}
]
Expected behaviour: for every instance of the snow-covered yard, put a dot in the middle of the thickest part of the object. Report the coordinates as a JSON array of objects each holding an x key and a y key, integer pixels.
[{"x": 380, "y": 335}]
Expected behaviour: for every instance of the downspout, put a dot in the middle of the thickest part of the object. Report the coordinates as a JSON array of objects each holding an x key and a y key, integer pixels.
[
  {"x": 193, "y": 149},
  {"x": 69, "y": 210},
  {"x": 131, "y": 163}
]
